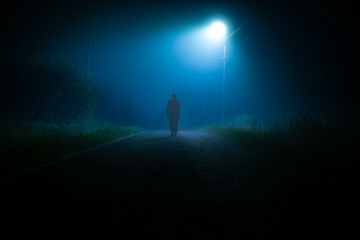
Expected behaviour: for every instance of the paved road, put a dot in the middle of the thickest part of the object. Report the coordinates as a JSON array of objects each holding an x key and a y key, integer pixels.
[{"x": 150, "y": 185}]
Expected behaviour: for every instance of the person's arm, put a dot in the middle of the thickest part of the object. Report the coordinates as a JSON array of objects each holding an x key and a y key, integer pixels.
[
  {"x": 167, "y": 110},
  {"x": 179, "y": 110}
]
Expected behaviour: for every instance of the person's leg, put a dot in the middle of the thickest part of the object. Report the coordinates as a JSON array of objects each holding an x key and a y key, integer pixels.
[
  {"x": 176, "y": 126},
  {"x": 171, "y": 124}
]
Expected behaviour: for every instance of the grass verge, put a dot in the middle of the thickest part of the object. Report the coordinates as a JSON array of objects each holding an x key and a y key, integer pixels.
[
  {"x": 27, "y": 144},
  {"x": 312, "y": 171},
  {"x": 304, "y": 141}
]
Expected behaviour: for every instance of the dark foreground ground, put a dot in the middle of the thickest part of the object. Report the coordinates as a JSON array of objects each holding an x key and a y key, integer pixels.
[{"x": 194, "y": 186}]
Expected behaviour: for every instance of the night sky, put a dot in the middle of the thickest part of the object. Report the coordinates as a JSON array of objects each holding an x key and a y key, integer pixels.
[{"x": 287, "y": 56}]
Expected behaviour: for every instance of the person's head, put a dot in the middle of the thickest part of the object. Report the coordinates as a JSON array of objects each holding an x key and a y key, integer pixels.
[{"x": 173, "y": 96}]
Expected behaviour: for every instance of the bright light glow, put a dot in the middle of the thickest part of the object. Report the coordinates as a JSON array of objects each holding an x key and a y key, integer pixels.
[{"x": 217, "y": 31}]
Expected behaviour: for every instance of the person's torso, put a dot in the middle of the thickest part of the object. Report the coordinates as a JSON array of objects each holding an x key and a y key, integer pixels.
[{"x": 173, "y": 106}]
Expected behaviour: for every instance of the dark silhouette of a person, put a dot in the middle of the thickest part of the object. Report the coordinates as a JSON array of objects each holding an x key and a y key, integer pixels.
[{"x": 173, "y": 113}]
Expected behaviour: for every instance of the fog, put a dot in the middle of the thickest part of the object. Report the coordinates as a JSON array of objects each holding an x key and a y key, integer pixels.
[{"x": 284, "y": 59}]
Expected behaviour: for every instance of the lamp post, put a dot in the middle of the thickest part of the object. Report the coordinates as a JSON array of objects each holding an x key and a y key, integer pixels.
[
  {"x": 217, "y": 31},
  {"x": 223, "y": 85}
]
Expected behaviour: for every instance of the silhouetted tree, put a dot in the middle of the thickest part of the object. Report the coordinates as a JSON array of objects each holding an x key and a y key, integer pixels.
[{"x": 53, "y": 91}]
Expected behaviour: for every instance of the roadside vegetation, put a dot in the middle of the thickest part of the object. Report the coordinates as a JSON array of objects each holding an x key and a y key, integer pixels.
[
  {"x": 27, "y": 144},
  {"x": 312, "y": 160},
  {"x": 47, "y": 112},
  {"x": 306, "y": 142}
]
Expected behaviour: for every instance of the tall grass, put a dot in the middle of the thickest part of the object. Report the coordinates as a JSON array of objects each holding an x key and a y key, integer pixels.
[
  {"x": 304, "y": 139},
  {"x": 27, "y": 144}
]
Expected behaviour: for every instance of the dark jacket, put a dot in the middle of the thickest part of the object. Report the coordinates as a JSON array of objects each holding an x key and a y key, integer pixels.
[{"x": 173, "y": 109}]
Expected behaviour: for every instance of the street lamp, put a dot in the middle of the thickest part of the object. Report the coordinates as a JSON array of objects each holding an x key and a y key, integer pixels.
[{"x": 217, "y": 31}]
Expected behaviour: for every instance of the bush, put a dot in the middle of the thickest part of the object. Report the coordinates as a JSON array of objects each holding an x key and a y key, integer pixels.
[{"x": 52, "y": 91}]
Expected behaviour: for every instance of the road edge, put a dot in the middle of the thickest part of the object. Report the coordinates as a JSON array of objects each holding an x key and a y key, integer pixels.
[{"x": 12, "y": 176}]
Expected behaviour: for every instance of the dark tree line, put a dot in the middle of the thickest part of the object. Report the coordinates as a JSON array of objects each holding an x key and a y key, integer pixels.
[{"x": 52, "y": 91}]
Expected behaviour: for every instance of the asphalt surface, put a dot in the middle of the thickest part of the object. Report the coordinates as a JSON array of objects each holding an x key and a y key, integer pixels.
[{"x": 194, "y": 186}]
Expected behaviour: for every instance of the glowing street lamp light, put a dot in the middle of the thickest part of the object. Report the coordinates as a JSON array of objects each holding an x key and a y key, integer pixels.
[{"x": 217, "y": 32}]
